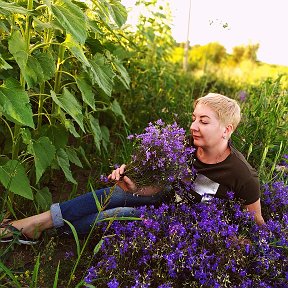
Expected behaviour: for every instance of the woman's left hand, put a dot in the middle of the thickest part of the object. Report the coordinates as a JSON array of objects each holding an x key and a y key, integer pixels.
[{"x": 121, "y": 180}]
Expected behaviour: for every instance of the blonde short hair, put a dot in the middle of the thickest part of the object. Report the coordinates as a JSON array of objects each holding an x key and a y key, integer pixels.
[{"x": 227, "y": 109}]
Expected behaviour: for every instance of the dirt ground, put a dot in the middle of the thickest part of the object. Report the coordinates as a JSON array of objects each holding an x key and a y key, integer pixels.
[{"x": 53, "y": 247}]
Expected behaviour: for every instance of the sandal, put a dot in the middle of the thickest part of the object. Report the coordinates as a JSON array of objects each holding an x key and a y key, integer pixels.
[{"x": 17, "y": 235}]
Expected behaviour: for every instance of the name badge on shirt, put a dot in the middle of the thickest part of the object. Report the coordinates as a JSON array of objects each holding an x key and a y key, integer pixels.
[{"x": 205, "y": 187}]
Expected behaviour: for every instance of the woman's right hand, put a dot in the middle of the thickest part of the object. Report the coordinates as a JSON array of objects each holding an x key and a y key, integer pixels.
[{"x": 123, "y": 181}]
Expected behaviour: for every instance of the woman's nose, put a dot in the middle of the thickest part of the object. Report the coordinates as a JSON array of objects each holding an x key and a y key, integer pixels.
[{"x": 194, "y": 126}]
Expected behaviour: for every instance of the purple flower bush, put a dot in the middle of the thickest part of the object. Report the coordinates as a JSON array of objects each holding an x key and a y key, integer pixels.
[
  {"x": 161, "y": 155},
  {"x": 212, "y": 244},
  {"x": 215, "y": 244}
]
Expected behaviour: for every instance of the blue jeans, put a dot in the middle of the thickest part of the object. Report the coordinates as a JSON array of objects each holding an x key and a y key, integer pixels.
[{"x": 82, "y": 210}]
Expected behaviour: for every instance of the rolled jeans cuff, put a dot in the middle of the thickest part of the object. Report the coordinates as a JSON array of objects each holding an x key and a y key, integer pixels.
[{"x": 56, "y": 215}]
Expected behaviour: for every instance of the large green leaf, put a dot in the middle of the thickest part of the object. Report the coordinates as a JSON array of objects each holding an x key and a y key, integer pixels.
[
  {"x": 86, "y": 91},
  {"x": 118, "y": 12},
  {"x": 43, "y": 151},
  {"x": 115, "y": 107},
  {"x": 57, "y": 134},
  {"x": 14, "y": 179},
  {"x": 69, "y": 103},
  {"x": 124, "y": 76},
  {"x": 82, "y": 153},
  {"x": 43, "y": 198},
  {"x": 14, "y": 103},
  {"x": 18, "y": 48},
  {"x": 39, "y": 68},
  {"x": 96, "y": 131},
  {"x": 68, "y": 124},
  {"x": 101, "y": 73},
  {"x": 12, "y": 8},
  {"x": 63, "y": 161},
  {"x": 32, "y": 72},
  {"x": 76, "y": 49},
  {"x": 73, "y": 157},
  {"x": 47, "y": 64},
  {"x": 34, "y": 68},
  {"x": 111, "y": 9},
  {"x": 72, "y": 19}
]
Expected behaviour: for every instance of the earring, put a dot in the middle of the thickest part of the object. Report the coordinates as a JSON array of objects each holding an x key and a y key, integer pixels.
[{"x": 224, "y": 137}]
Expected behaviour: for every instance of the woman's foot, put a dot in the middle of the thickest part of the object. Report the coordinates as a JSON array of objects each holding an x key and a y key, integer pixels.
[
  {"x": 30, "y": 227},
  {"x": 9, "y": 233}
]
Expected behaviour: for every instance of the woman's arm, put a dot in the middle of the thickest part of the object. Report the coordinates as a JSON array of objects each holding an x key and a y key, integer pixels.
[{"x": 255, "y": 209}]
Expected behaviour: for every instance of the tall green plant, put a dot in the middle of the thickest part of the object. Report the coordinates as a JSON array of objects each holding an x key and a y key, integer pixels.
[
  {"x": 262, "y": 136},
  {"x": 59, "y": 66},
  {"x": 152, "y": 76}
]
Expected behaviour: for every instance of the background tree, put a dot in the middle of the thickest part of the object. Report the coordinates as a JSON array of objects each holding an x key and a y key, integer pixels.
[{"x": 249, "y": 52}]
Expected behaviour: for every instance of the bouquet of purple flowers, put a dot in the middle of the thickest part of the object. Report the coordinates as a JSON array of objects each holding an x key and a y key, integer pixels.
[{"x": 161, "y": 156}]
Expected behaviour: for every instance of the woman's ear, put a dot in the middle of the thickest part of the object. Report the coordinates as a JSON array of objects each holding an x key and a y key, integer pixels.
[{"x": 228, "y": 131}]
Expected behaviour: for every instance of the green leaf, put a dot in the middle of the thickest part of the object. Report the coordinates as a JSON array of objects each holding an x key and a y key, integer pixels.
[
  {"x": 12, "y": 8},
  {"x": 44, "y": 152},
  {"x": 39, "y": 68},
  {"x": 102, "y": 73},
  {"x": 82, "y": 153},
  {"x": 63, "y": 161},
  {"x": 35, "y": 273},
  {"x": 26, "y": 136},
  {"x": 76, "y": 238},
  {"x": 118, "y": 12},
  {"x": 98, "y": 247},
  {"x": 73, "y": 157},
  {"x": 47, "y": 64},
  {"x": 56, "y": 277},
  {"x": 112, "y": 9},
  {"x": 43, "y": 198},
  {"x": 105, "y": 137},
  {"x": 71, "y": 128},
  {"x": 4, "y": 28},
  {"x": 10, "y": 274},
  {"x": 96, "y": 131},
  {"x": 32, "y": 72},
  {"x": 14, "y": 179},
  {"x": 14, "y": 103},
  {"x": 76, "y": 49},
  {"x": 86, "y": 91},
  {"x": 68, "y": 124},
  {"x": 69, "y": 103},
  {"x": 115, "y": 107},
  {"x": 18, "y": 48},
  {"x": 4, "y": 65},
  {"x": 94, "y": 27},
  {"x": 124, "y": 76},
  {"x": 94, "y": 45},
  {"x": 97, "y": 202},
  {"x": 72, "y": 19},
  {"x": 57, "y": 134},
  {"x": 35, "y": 68}
]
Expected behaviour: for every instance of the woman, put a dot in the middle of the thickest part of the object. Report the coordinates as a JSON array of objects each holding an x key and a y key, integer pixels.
[{"x": 220, "y": 168}]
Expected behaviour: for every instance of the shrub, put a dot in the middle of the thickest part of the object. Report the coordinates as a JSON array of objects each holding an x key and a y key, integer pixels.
[{"x": 207, "y": 245}]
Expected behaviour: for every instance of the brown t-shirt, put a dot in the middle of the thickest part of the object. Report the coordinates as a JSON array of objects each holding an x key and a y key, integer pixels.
[{"x": 233, "y": 174}]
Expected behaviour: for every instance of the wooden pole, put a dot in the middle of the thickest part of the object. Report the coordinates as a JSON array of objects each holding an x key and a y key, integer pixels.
[{"x": 186, "y": 48}]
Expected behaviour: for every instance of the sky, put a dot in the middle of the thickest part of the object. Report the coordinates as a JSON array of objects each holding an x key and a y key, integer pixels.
[{"x": 233, "y": 23}]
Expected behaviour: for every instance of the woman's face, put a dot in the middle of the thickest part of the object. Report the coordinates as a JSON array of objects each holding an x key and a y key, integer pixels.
[{"x": 206, "y": 129}]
